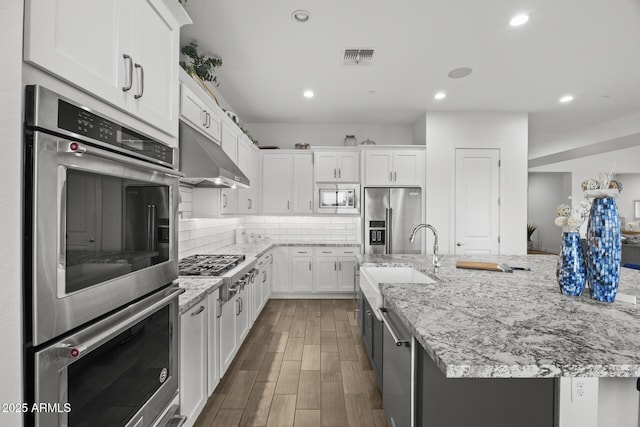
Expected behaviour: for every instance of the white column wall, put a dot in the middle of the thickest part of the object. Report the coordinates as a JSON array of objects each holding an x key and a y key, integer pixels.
[
  {"x": 11, "y": 17},
  {"x": 505, "y": 131}
]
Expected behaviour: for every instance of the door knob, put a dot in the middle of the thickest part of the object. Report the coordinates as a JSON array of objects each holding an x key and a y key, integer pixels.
[{"x": 459, "y": 244}]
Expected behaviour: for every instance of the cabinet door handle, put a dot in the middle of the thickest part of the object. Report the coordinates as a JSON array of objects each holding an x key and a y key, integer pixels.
[
  {"x": 203, "y": 118},
  {"x": 309, "y": 265},
  {"x": 208, "y": 122},
  {"x": 200, "y": 310},
  {"x": 224, "y": 200},
  {"x": 249, "y": 203},
  {"x": 335, "y": 265},
  {"x": 264, "y": 276},
  {"x": 339, "y": 265},
  {"x": 219, "y": 311},
  {"x": 339, "y": 173},
  {"x": 288, "y": 204},
  {"x": 326, "y": 252},
  {"x": 395, "y": 176},
  {"x": 335, "y": 173},
  {"x": 310, "y": 207},
  {"x": 241, "y": 305},
  {"x": 369, "y": 318},
  {"x": 237, "y": 307},
  {"x": 390, "y": 176},
  {"x": 141, "y": 74},
  {"x": 129, "y": 63}
]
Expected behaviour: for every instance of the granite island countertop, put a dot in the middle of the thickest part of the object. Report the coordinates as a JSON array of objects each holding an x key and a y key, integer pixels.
[{"x": 483, "y": 324}]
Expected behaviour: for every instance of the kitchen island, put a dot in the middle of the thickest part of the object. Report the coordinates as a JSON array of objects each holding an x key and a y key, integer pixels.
[{"x": 474, "y": 324}]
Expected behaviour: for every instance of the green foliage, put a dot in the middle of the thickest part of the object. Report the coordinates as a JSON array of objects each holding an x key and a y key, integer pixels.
[
  {"x": 202, "y": 65},
  {"x": 530, "y": 229}
]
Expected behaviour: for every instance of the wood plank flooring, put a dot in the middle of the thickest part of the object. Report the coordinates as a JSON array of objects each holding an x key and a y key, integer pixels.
[{"x": 301, "y": 365}]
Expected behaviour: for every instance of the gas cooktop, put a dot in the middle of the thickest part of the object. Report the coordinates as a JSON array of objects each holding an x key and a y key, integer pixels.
[{"x": 208, "y": 265}]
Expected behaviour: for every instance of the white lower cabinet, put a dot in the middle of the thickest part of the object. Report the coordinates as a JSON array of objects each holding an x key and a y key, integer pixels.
[
  {"x": 313, "y": 270},
  {"x": 326, "y": 274},
  {"x": 347, "y": 268},
  {"x": 281, "y": 270},
  {"x": 213, "y": 330},
  {"x": 228, "y": 344},
  {"x": 193, "y": 361},
  {"x": 242, "y": 315},
  {"x": 262, "y": 286},
  {"x": 334, "y": 269},
  {"x": 301, "y": 270}
]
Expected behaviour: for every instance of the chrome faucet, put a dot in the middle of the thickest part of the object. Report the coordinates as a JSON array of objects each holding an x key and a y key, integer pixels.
[{"x": 436, "y": 257}]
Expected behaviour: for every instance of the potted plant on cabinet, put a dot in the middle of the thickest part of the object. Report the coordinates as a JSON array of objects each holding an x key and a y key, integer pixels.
[
  {"x": 201, "y": 67},
  {"x": 530, "y": 229}
]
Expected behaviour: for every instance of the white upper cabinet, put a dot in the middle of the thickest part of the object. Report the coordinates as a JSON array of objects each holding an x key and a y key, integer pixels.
[
  {"x": 287, "y": 183},
  {"x": 333, "y": 166},
  {"x": 123, "y": 51},
  {"x": 196, "y": 112},
  {"x": 303, "y": 184},
  {"x": 276, "y": 183},
  {"x": 248, "y": 158},
  {"x": 229, "y": 144},
  {"x": 394, "y": 167}
]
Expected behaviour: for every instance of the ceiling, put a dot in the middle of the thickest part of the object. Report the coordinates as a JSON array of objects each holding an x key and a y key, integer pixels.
[{"x": 586, "y": 48}]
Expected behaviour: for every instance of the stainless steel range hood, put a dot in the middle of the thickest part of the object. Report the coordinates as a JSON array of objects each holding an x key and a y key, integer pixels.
[{"x": 205, "y": 164}]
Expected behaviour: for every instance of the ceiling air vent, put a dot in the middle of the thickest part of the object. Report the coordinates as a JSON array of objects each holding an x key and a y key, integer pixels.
[{"x": 357, "y": 57}]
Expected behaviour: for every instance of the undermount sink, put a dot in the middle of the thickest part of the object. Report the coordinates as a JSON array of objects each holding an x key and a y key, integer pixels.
[{"x": 371, "y": 277}]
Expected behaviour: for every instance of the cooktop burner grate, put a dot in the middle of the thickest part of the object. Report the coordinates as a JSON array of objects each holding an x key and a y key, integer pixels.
[{"x": 208, "y": 265}]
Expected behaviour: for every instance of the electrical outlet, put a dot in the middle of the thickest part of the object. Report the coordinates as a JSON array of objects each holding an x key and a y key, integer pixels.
[{"x": 584, "y": 389}]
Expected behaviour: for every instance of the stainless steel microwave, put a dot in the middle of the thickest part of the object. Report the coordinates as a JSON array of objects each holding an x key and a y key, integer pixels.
[{"x": 338, "y": 198}]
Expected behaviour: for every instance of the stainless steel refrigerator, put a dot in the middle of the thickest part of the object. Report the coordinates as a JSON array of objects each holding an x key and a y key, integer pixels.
[{"x": 390, "y": 214}]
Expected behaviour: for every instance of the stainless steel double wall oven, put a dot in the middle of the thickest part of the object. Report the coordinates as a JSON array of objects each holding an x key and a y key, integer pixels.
[{"x": 101, "y": 312}]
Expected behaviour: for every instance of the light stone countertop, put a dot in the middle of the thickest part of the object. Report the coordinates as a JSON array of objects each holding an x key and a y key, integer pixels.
[
  {"x": 196, "y": 289},
  {"x": 257, "y": 249},
  {"x": 482, "y": 324}
]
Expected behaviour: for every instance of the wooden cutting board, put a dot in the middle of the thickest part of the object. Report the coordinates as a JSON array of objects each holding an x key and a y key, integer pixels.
[{"x": 476, "y": 265}]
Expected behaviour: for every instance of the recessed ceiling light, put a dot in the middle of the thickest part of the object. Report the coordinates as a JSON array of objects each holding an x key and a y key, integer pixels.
[
  {"x": 308, "y": 94},
  {"x": 566, "y": 98},
  {"x": 301, "y": 16},
  {"x": 518, "y": 20},
  {"x": 372, "y": 92},
  {"x": 459, "y": 73},
  {"x": 440, "y": 95}
]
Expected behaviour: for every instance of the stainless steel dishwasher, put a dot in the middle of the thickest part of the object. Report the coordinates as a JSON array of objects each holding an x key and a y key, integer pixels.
[{"x": 396, "y": 371}]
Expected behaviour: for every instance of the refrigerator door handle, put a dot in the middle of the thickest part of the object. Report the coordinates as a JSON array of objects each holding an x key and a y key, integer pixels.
[{"x": 388, "y": 219}]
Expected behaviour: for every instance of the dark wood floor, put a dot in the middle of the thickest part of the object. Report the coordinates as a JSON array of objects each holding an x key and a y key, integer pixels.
[{"x": 302, "y": 364}]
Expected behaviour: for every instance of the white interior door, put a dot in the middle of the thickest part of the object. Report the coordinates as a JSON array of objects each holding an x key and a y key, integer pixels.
[{"x": 477, "y": 221}]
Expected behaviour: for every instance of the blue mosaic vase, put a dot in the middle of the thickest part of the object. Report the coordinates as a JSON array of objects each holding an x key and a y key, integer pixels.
[
  {"x": 604, "y": 249},
  {"x": 570, "y": 271}
]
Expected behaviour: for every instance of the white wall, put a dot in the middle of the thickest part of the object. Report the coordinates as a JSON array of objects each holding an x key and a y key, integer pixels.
[
  {"x": 618, "y": 128},
  {"x": 630, "y": 192},
  {"x": 504, "y": 131},
  {"x": 623, "y": 162},
  {"x": 10, "y": 208},
  {"x": 546, "y": 192},
  {"x": 286, "y": 135}
]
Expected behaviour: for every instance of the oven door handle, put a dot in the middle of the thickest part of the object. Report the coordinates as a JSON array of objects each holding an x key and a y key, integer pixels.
[
  {"x": 74, "y": 350},
  {"x": 76, "y": 148}
]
